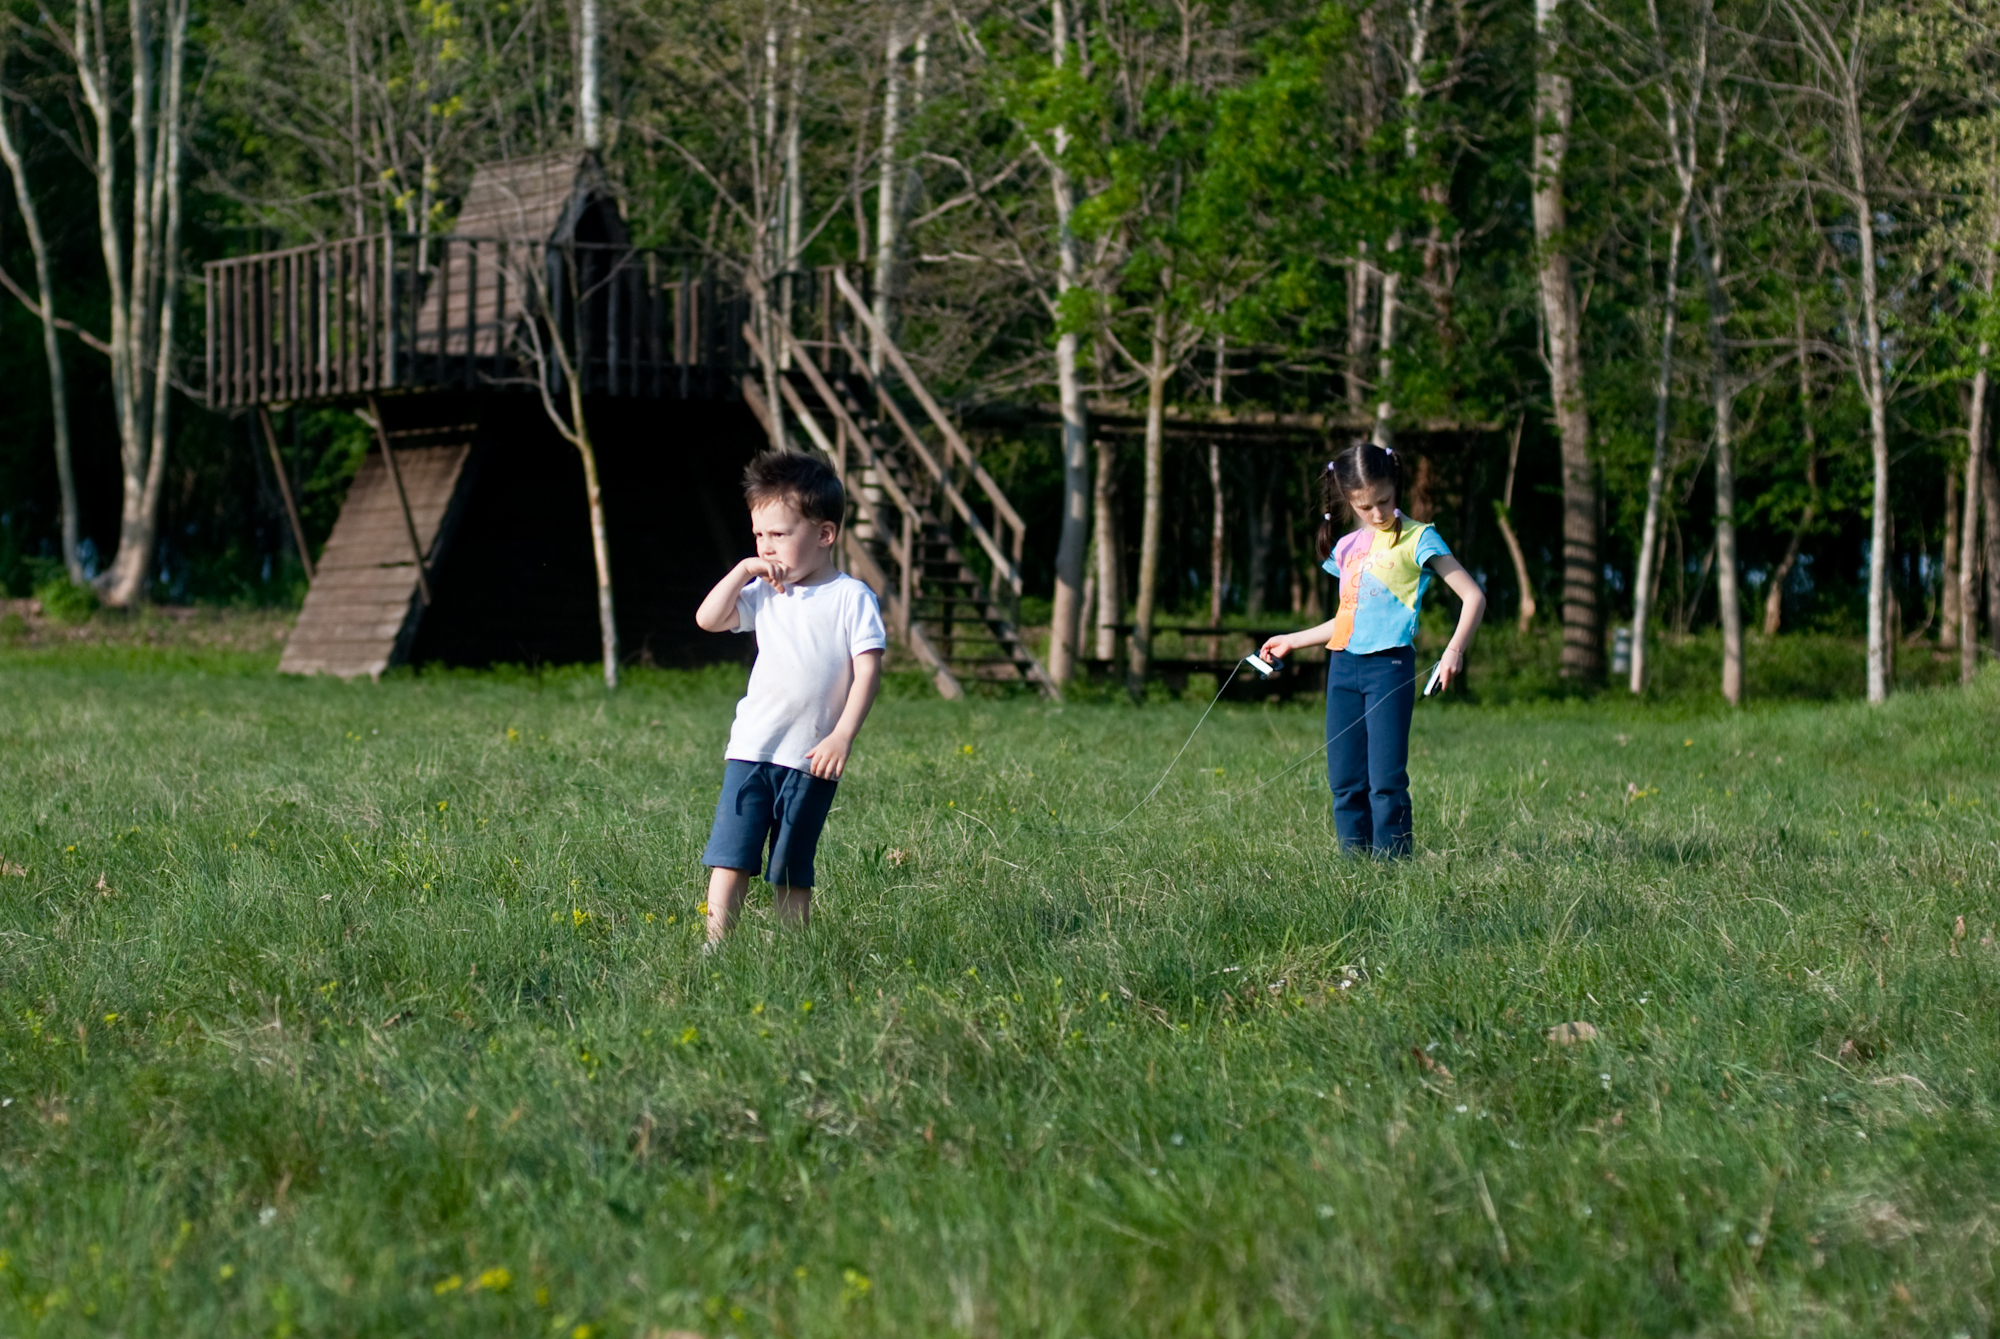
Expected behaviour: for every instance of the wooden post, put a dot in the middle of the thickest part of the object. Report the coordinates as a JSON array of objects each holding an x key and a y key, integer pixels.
[
  {"x": 396, "y": 476},
  {"x": 285, "y": 491},
  {"x": 906, "y": 579},
  {"x": 471, "y": 310}
]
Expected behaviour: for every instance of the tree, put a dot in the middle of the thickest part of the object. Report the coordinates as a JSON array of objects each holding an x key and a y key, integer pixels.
[
  {"x": 1582, "y": 652},
  {"x": 1839, "y": 135},
  {"x": 43, "y": 304}
]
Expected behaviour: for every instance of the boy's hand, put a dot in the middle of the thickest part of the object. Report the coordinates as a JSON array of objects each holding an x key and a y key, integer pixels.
[
  {"x": 770, "y": 569},
  {"x": 828, "y": 758}
]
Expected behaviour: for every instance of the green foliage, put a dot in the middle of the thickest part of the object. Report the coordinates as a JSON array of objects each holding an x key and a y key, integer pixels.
[
  {"x": 350, "y": 1008},
  {"x": 62, "y": 599}
]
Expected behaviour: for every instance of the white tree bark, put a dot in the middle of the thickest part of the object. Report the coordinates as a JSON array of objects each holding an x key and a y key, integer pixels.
[
  {"x": 142, "y": 277},
  {"x": 1392, "y": 279},
  {"x": 1722, "y": 392},
  {"x": 1967, "y": 575},
  {"x": 888, "y": 217},
  {"x": 1976, "y": 427},
  {"x": 588, "y": 98},
  {"x": 1833, "y": 46},
  {"x": 1656, "y": 476},
  {"x": 1159, "y": 369},
  {"x": 1683, "y": 137},
  {"x": 1109, "y": 549},
  {"x": 44, "y": 306},
  {"x": 1069, "y": 393}
]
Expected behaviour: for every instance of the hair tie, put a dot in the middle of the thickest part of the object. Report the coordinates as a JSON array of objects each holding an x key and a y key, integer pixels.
[
  {"x": 1388, "y": 450},
  {"x": 1326, "y": 515}
]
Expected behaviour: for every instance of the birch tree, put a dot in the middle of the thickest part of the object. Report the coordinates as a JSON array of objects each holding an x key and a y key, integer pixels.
[
  {"x": 138, "y": 205},
  {"x": 1066, "y": 55},
  {"x": 43, "y": 304},
  {"x": 1840, "y": 138}
]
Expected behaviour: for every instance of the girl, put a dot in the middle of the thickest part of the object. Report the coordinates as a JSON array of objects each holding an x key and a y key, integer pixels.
[{"x": 1384, "y": 566}]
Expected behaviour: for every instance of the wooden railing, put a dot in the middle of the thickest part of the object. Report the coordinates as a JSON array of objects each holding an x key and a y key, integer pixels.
[
  {"x": 355, "y": 317},
  {"x": 827, "y": 311}
]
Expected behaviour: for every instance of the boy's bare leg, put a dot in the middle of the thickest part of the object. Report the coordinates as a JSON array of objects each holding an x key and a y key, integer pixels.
[
  {"x": 794, "y": 905},
  {"x": 726, "y": 891}
]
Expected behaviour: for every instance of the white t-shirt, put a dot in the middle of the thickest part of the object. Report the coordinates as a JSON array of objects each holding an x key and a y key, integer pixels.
[{"x": 807, "y": 639}]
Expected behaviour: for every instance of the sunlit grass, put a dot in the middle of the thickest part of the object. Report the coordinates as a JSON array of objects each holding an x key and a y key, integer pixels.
[{"x": 357, "y": 1009}]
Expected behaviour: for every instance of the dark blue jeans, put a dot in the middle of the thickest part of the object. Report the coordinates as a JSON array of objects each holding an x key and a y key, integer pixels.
[{"x": 1368, "y": 703}]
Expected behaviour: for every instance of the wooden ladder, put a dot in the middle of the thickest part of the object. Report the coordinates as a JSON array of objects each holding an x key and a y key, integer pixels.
[{"x": 910, "y": 496}]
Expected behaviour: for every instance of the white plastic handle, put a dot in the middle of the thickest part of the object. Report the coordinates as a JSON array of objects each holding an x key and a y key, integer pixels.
[{"x": 1261, "y": 665}]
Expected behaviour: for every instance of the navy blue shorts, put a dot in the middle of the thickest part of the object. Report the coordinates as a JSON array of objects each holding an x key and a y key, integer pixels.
[{"x": 763, "y": 802}]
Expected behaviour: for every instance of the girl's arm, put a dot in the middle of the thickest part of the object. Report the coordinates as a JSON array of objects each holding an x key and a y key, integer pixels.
[
  {"x": 1287, "y": 642},
  {"x": 1472, "y": 608}
]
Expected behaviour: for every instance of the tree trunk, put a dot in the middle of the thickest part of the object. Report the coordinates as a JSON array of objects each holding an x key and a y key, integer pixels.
[
  {"x": 1989, "y": 502},
  {"x": 587, "y": 96},
  {"x": 1968, "y": 544},
  {"x": 144, "y": 278},
  {"x": 1392, "y": 281},
  {"x": 1656, "y": 477},
  {"x": 600, "y": 550},
  {"x": 1722, "y": 390},
  {"x": 888, "y": 218},
  {"x": 1157, "y": 372},
  {"x": 1869, "y": 369},
  {"x": 1503, "y": 512},
  {"x": 1069, "y": 391},
  {"x": 45, "y": 308},
  {"x": 1359, "y": 332},
  {"x": 1110, "y": 552},
  {"x": 1774, "y": 595},
  {"x": 1217, "y": 539},
  {"x": 1582, "y": 652},
  {"x": 1948, "y": 618}
]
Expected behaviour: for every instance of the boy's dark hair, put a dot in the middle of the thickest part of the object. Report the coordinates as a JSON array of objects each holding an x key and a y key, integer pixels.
[
  {"x": 807, "y": 482},
  {"x": 1362, "y": 465}
]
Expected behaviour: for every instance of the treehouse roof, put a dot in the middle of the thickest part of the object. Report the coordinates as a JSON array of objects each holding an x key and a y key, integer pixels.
[{"x": 554, "y": 197}]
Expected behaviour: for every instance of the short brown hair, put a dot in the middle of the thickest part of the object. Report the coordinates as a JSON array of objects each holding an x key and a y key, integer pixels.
[{"x": 807, "y": 482}]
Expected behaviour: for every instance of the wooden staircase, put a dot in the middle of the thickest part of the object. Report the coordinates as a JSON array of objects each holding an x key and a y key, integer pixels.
[
  {"x": 912, "y": 497},
  {"x": 371, "y": 584}
]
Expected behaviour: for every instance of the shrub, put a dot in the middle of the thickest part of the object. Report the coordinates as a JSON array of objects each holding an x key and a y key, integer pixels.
[{"x": 62, "y": 599}]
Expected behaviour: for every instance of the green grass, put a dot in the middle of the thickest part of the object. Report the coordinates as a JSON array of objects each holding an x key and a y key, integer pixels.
[{"x": 321, "y": 1002}]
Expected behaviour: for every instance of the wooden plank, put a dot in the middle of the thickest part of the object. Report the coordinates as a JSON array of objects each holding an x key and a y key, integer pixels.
[{"x": 208, "y": 352}]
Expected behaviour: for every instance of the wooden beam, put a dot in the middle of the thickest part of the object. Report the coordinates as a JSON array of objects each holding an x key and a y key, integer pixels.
[
  {"x": 396, "y": 475},
  {"x": 285, "y": 490}
]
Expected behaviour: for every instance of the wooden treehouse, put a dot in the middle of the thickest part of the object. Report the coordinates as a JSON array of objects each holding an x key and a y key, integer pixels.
[{"x": 464, "y": 537}]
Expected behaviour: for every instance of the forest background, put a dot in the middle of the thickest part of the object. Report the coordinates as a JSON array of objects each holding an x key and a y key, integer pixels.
[{"x": 1682, "y": 303}]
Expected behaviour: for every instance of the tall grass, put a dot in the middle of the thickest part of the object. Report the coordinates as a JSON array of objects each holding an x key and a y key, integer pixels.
[{"x": 379, "y": 1009}]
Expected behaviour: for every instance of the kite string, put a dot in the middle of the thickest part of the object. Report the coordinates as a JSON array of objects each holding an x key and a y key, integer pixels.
[
  {"x": 1177, "y": 757},
  {"x": 1231, "y": 799}
]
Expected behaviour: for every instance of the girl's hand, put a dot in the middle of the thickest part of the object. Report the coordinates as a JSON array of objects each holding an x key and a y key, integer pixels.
[
  {"x": 1276, "y": 648},
  {"x": 1451, "y": 665}
]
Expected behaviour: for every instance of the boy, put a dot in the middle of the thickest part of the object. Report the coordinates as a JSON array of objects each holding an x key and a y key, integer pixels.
[{"x": 819, "y": 665}]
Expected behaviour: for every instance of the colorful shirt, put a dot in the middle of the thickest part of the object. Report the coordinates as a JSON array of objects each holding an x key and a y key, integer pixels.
[{"x": 1383, "y": 575}]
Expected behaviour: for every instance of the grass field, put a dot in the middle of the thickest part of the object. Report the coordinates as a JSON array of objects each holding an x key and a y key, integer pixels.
[{"x": 379, "y": 1010}]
